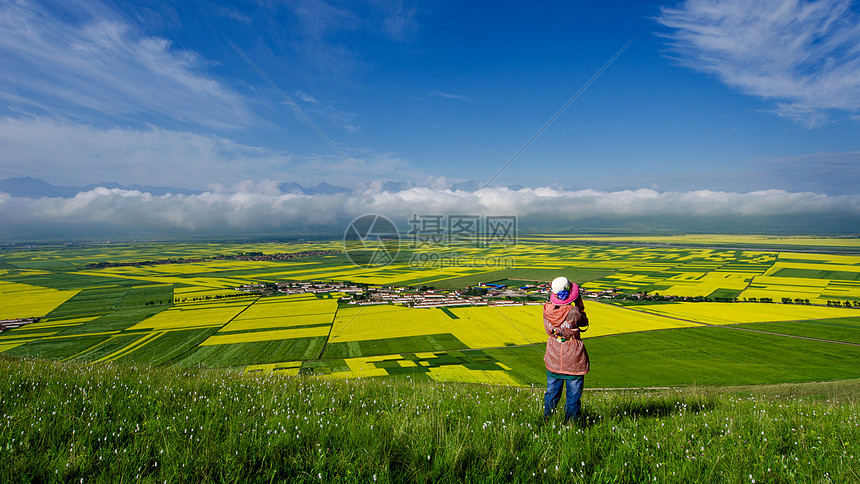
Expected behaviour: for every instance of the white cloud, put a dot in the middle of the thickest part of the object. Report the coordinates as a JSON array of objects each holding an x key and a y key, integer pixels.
[
  {"x": 259, "y": 208},
  {"x": 84, "y": 56},
  {"x": 801, "y": 54}
]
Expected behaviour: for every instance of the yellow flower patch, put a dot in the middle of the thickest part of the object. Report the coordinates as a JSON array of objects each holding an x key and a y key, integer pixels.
[
  {"x": 288, "y": 368},
  {"x": 284, "y": 311},
  {"x": 731, "y": 313},
  {"x": 274, "y": 335},
  {"x": 197, "y": 315},
  {"x": 606, "y": 319},
  {"x": 25, "y": 301},
  {"x": 459, "y": 373},
  {"x": 9, "y": 346}
]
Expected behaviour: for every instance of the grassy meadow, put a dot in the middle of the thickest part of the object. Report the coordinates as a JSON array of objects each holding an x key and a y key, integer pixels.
[{"x": 73, "y": 422}]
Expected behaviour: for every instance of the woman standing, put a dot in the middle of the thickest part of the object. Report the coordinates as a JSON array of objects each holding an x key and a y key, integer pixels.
[{"x": 566, "y": 359}]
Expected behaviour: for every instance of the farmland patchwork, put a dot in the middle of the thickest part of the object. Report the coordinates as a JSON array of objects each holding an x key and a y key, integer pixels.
[{"x": 177, "y": 304}]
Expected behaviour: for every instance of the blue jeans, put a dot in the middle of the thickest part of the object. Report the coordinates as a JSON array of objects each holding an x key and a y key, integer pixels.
[{"x": 571, "y": 400}]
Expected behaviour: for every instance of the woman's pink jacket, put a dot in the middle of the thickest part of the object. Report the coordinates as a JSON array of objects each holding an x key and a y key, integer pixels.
[{"x": 566, "y": 357}]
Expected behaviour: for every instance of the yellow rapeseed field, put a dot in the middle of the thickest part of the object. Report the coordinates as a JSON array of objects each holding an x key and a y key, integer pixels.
[
  {"x": 25, "y": 301},
  {"x": 10, "y": 345},
  {"x": 731, "y": 313},
  {"x": 198, "y": 315},
  {"x": 490, "y": 326},
  {"x": 459, "y": 373},
  {"x": 487, "y": 326},
  {"x": 477, "y": 327},
  {"x": 702, "y": 284},
  {"x": 144, "y": 339},
  {"x": 606, "y": 319},
  {"x": 777, "y": 288},
  {"x": 144, "y": 274},
  {"x": 287, "y": 368},
  {"x": 274, "y": 335},
  {"x": 284, "y": 311},
  {"x": 362, "y": 323},
  {"x": 365, "y": 367}
]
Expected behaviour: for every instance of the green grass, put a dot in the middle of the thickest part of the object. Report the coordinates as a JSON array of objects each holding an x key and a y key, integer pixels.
[
  {"x": 818, "y": 274},
  {"x": 57, "y": 348},
  {"x": 715, "y": 356},
  {"x": 91, "y": 301},
  {"x": 109, "y": 346},
  {"x": 725, "y": 293},
  {"x": 168, "y": 348},
  {"x": 839, "y": 329},
  {"x": 114, "y": 423},
  {"x": 118, "y": 320}
]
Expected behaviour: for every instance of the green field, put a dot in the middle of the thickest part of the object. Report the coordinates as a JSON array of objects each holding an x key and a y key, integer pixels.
[{"x": 179, "y": 313}]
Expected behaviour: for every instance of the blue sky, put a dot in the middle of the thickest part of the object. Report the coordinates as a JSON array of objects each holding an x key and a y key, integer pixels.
[{"x": 714, "y": 106}]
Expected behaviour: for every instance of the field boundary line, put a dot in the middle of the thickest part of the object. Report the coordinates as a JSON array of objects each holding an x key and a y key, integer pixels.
[
  {"x": 131, "y": 347},
  {"x": 331, "y": 328},
  {"x": 182, "y": 355},
  {"x": 89, "y": 348}
]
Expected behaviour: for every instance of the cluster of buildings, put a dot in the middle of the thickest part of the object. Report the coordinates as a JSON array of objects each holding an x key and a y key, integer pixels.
[
  {"x": 259, "y": 256},
  {"x": 363, "y": 294},
  {"x": 243, "y": 256},
  {"x": 15, "y": 323}
]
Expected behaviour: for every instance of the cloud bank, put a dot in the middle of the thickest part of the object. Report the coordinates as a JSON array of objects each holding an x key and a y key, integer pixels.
[
  {"x": 802, "y": 54},
  {"x": 263, "y": 210}
]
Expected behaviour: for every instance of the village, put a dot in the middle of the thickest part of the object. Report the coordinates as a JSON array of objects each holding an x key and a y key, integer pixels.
[
  {"x": 242, "y": 256},
  {"x": 6, "y": 324},
  {"x": 482, "y": 294}
]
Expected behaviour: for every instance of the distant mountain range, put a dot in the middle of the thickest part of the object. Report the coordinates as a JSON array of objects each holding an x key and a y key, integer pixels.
[
  {"x": 29, "y": 187},
  {"x": 322, "y": 188}
]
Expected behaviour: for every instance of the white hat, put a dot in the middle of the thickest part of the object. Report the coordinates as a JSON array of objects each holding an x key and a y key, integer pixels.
[
  {"x": 563, "y": 292},
  {"x": 559, "y": 284}
]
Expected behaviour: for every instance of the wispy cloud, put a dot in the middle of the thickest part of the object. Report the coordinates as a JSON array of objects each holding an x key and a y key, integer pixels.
[
  {"x": 321, "y": 27},
  {"x": 399, "y": 18},
  {"x": 85, "y": 56},
  {"x": 448, "y": 95},
  {"x": 801, "y": 54}
]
